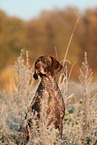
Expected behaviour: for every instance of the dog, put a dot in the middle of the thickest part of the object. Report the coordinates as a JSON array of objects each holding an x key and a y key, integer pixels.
[{"x": 46, "y": 67}]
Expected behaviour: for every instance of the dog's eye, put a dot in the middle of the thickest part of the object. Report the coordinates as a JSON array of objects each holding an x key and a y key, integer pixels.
[{"x": 37, "y": 66}]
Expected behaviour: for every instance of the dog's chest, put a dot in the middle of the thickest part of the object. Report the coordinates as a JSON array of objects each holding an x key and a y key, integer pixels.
[
  {"x": 48, "y": 87},
  {"x": 49, "y": 95}
]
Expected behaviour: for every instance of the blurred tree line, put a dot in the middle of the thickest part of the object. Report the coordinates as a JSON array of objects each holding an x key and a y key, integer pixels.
[{"x": 51, "y": 29}]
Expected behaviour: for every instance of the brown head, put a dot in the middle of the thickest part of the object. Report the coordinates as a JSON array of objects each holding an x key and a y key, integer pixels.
[{"x": 46, "y": 66}]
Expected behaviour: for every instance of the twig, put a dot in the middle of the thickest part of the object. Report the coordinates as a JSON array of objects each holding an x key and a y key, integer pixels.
[
  {"x": 56, "y": 52},
  {"x": 69, "y": 45},
  {"x": 70, "y": 40}
]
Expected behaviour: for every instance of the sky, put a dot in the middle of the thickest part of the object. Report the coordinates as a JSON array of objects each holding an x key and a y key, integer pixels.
[{"x": 29, "y": 9}]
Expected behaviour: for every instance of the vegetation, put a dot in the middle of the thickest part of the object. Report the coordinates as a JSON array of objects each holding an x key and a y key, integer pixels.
[
  {"x": 52, "y": 29},
  {"x": 44, "y": 35},
  {"x": 79, "y": 122}
]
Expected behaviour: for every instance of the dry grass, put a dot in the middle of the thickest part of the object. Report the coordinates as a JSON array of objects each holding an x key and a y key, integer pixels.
[{"x": 80, "y": 121}]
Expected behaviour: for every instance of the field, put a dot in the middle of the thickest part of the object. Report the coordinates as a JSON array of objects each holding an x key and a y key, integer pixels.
[{"x": 80, "y": 121}]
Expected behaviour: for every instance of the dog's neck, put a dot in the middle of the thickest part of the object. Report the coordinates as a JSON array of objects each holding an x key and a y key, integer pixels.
[{"x": 49, "y": 81}]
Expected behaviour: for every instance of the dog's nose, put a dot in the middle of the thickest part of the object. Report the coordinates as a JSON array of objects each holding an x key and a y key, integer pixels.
[{"x": 35, "y": 76}]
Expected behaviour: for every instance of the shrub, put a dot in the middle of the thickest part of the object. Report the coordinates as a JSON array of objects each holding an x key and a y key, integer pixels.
[{"x": 80, "y": 119}]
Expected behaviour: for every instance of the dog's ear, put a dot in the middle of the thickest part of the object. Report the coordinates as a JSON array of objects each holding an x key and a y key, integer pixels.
[{"x": 56, "y": 67}]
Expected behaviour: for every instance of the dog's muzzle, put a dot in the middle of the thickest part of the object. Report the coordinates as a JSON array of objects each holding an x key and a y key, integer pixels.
[{"x": 35, "y": 76}]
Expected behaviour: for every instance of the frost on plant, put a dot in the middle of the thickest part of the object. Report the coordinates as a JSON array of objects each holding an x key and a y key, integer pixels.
[
  {"x": 80, "y": 121},
  {"x": 14, "y": 105},
  {"x": 86, "y": 78}
]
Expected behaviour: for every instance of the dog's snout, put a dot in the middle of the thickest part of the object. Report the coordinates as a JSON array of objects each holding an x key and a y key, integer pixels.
[
  {"x": 37, "y": 67},
  {"x": 35, "y": 76}
]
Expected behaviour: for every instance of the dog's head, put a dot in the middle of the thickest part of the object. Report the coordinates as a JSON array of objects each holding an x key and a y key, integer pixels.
[{"x": 46, "y": 66}]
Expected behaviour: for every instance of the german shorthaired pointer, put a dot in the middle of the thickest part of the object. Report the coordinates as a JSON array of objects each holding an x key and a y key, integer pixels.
[{"x": 47, "y": 68}]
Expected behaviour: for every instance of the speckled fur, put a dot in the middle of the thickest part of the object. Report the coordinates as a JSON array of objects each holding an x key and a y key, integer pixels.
[{"x": 46, "y": 67}]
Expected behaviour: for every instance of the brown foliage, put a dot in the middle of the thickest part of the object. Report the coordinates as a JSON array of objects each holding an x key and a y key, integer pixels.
[{"x": 51, "y": 29}]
